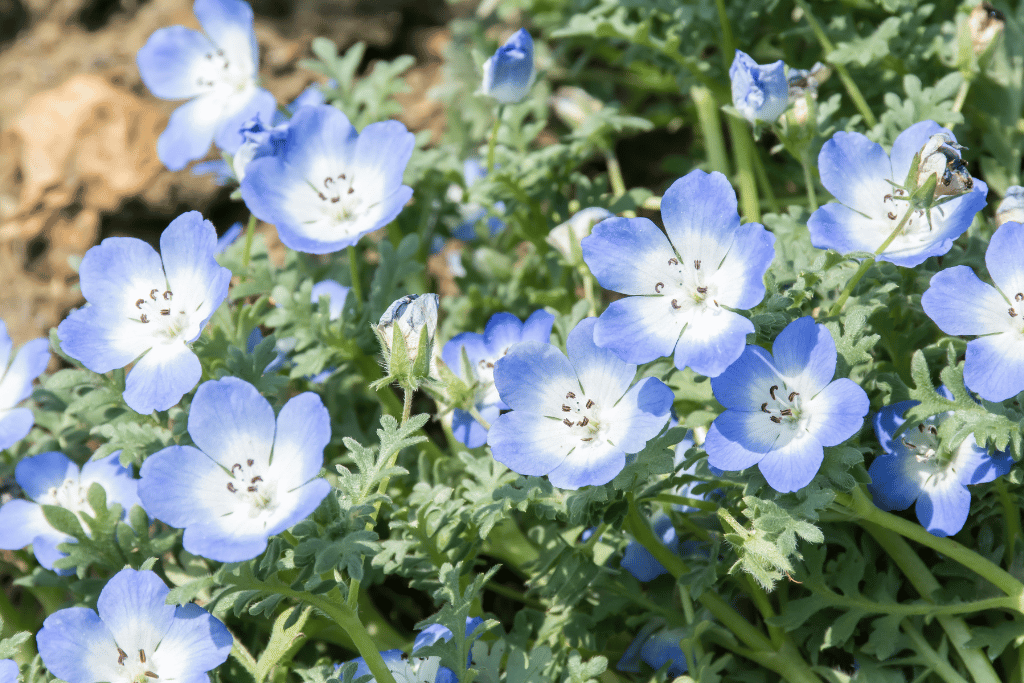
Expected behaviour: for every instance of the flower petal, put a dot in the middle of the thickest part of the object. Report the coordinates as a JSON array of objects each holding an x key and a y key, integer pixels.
[
  {"x": 117, "y": 481},
  {"x": 640, "y": 415},
  {"x": 994, "y": 366},
  {"x": 737, "y": 440},
  {"x": 190, "y": 131},
  {"x": 76, "y": 646},
  {"x": 37, "y": 474},
  {"x": 891, "y": 488},
  {"x": 628, "y": 255},
  {"x": 742, "y": 385},
  {"x": 740, "y": 277},
  {"x": 854, "y": 169},
  {"x": 538, "y": 327},
  {"x": 1003, "y": 260},
  {"x": 195, "y": 643},
  {"x": 231, "y": 422},
  {"x": 805, "y": 354},
  {"x": 502, "y": 331},
  {"x": 534, "y": 377},
  {"x": 638, "y": 328},
  {"x": 712, "y": 341},
  {"x": 975, "y": 465},
  {"x": 181, "y": 486},
  {"x": 30, "y": 362},
  {"x": 602, "y": 374},
  {"x": 14, "y": 426},
  {"x": 960, "y": 303},
  {"x": 22, "y": 521},
  {"x": 236, "y": 111},
  {"x": 590, "y": 464},
  {"x": 792, "y": 466},
  {"x": 700, "y": 215},
  {"x": 161, "y": 377},
  {"x": 887, "y": 421},
  {"x": 909, "y": 143},
  {"x": 197, "y": 282},
  {"x": 303, "y": 432},
  {"x": 227, "y": 539},
  {"x": 836, "y": 226},
  {"x": 467, "y": 430},
  {"x": 943, "y": 509},
  {"x": 168, "y": 62},
  {"x": 530, "y": 444},
  {"x": 103, "y": 339},
  {"x": 336, "y": 294},
  {"x": 381, "y": 153},
  {"x": 837, "y": 412},
  {"x": 132, "y": 606},
  {"x": 229, "y": 25}
]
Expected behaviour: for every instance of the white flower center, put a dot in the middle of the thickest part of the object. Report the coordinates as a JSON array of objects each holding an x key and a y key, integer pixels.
[
  {"x": 340, "y": 203},
  {"x": 247, "y": 485},
  {"x": 917, "y": 230},
  {"x": 487, "y": 392},
  {"x": 69, "y": 495},
  {"x": 582, "y": 417},
  {"x": 158, "y": 310},
  {"x": 689, "y": 289},
  {"x": 218, "y": 73},
  {"x": 1016, "y": 319},
  {"x": 783, "y": 407},
  {"x": 137, "y": 667}
]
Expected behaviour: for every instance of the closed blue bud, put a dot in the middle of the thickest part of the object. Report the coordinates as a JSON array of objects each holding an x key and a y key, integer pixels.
[
  {"x": 759, "y": 93},
  {"x": 509, "y": 73}
]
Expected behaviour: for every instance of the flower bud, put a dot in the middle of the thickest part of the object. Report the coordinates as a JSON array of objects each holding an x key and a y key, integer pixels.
[
  {"x": 759, "y": 93},
  {"x": 406, "y": 333},
  {"x": 509, "y": 73},
  {"x": 566, "y": 237},
  {"x": 1011, "y": 209},
  {"x": 573, "y": 105},
  {"x": 260, "y": 141},
  {"x": 940, "y": 157},
  {"x": 984, "y": 23},
  {"x": 804, "y": 83}
]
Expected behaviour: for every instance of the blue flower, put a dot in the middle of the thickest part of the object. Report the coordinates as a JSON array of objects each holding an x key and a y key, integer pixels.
[
  {"x": 783, "y": 408},
  {"x": 656, "y": 648},
  {"x": 404, "y": 669},
  {"x": 329, "y": 186},
  {"x": 336, "y": 294},
  {"x": 912, "y": 469},
  {"x": 759, "y": 93},
  {"x": 573, "y": 419},
  {"x": 228, "y": 238},
  {"x": 8, "y": 671},
  {"x": 16, "y": 378},
  {"x": 960, "y": 303},
  {"x": 858, "y": 173},
  {"x": 146, "y": 304},
  {"x": 250, "y": 476},
  {"x": 53, "y": 479},
  {"x": 1011, "y": 209},
  {"x": 509, "y": 73},
  {"x": 472, "y": 172},
  {"x": 436, "y": 632},
  {"x": 215, "y": 70},
  {"x": 135, "y": 636},
  {"x": 681, "y": 286},
  {"x": 638, "y": 560},
  {"x": 483, "y": 351}
]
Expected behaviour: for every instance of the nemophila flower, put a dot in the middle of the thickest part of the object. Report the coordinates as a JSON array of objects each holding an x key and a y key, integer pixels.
[
  {"x": 759, "y": 92},
  {"x": 509, "y": 73},
  {"x": 148, "y": 307},
  {"x": 656, "y": 647},
  {"x": 913, "y": 469},
  {"x": 405, "y": 669},
  {"x": 472, "y": 173},
  {"x": 681, "y": 286},
  {"x": 53, "y": 479},
  {"x": 567, "y": 237},
  {"x": 960, "y": 303},
  {"x": 860, "y": 175},
  {"x": 215, "y": 70},
  {"x": 16, "y": 377},
  {"x": 8, "y": 671},
  {"x": 250, "y": 475},
  {"x": 411, "y": 316},
  {"x": 503, "y": 330},
  {"x": 782, "y": 408},
  {"x": 436, "y": 632},
  {"x": 638, "y": 560},
  {"x": 328, "y": 185},
  {"x": 134, "y": 637},
  {"x": 1011, "y": 209},
  {"x": 573, "y": 419}
]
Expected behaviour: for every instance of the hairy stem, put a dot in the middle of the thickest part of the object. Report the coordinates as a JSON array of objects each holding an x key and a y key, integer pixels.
[
  {"x": 250, "y": 230},
  {"x": 868, "y": 262},
  {"x": 492, "y": 141}
]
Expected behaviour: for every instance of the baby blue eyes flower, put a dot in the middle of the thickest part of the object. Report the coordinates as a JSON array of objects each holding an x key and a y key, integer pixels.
[
  {"x": 859, "y": 174},
  {"x": 8, "y": 671},
  {"x": 141, "y": 303},
  {"x": 16, "y": 378},
  {"x": 215, "y": 70},
  {"x": 134, "y": 637},
  {"x": 656, "y": 648},
  {"x": 404, "y": 669},
  {"x": 483, "y": 351},
  {"x": 328, "y": 185},
  {"x": 250, "y": 475},
  {"x": 783, "y": 408},
  {"x": 912, "y": 469},
  {"x": 53, "y": 479},
  {"x": 681, "y": 286},
  {"x": 638, "y": 560},
  {"x": 759, "y": 93},
  {"x": 509, "y": 73},
  {"x": 1011, "y": 209},
  {"x": 573, "y": 419},
  {"x": 960, "y": 303}
]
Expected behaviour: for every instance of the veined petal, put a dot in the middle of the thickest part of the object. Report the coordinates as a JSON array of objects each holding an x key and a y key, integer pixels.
[
  {"x": 973, "y": 464},
  {"x": 502, "y": 331},
  {"x": 602, "y": 374},
  {"x": 37, "y": 474},
  {"x": 741, "y": 385},
  {"x": 628, "y": 255},
  {"x": 891, "y": 488},
  {"x": 189, "y": 131},
  {"x": 534, "y": 377},
  {"x": 196, "y": 642},
  {"x": 103, "y": 340},
  {"x": 530, "y": 444},
  {"x": 117, "y": 271},
  {"x": 319, "y": 138},
  {"x": 303, "y": 432},
  {"x": 943, "y": 509},
  {"x": 740, "y": 277},
  {"x": 837, "y": 412},
  {"x": 792, "y": 466},
  {"x": 1003, "y": 261},
  {"x": 886, "y": 422},
  {"x": 162, "y": 377},
  {"x": 836, "y": 226},
  {"x": 181, "y": 486},
  {"x": 77, "y": 646},
  {"x": 229, "y": 25},
  {"x": 637, "y": 329},
  {"x": 296, "y": 505},
  {"x": 854, "y": 170},
  {"x": 960, "y": 303},
  {"x": 196, "y": 280},
  {"x": 948, "y": 222},
  {"x": 589, "y": 464},
  {"x": 30, "y": 362},
  {"x": 381, "y": 153},
  {"x": 700, "y": 216},
  {"x": 231, "y": 422},
  {"x": 476, "y": 351},
  {"x": 640, "y": 415},
  {"x": 538, "y": 326},
  {"x": 171, "y": 62},
  {"x": 132, "y": 606},
  {"x": 712, "y": 341},
  {"x": 805, "y": 354},
  {"x": 233, "y": 538},
  {"x": 994, "y": 367},
  {"x": 909, "y": 143},
  {"x": 737, "y": 440}
]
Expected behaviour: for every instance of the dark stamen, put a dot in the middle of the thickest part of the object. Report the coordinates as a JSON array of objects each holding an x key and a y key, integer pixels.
[
  {"x": 165, "y": 311},
  {"x": 167, "y": 295},
  {"x": 776, "y": 419},
  {"x": 143, "y": 318},
  {"x": 142, "y": 656},
  {"x": 673, "y": 262},
  {"x": 342, "y": 176},
  {"x": 771, "y": 392},
  {"x": 584, "y": 422},
  {"x": 1019, "y": 296},
  {"x": 920, "y": 428},
  {"x": 570, "y": 395},
  {"x": 696, "y": 264},
  {"x": 253, "y": 489},
  {"x": 932, "y": 430},
  {"x": 567, "y": 422},
  {"x": 590, "y": 403},
  {"x": 152, "y": 294},
  {"x": 122, "y": 655},
  {"x": 565, "y": 408},
  {"x": 658, "y": 287},
  {"x": 1013, "y": 313},
  {"x": 786, "y": 411},
  {"x": 589, "y": 438},
  {"x": 250, "y": 462},
  {"x": 675, "y": 304},
  {"x": 234, "y": 466},
  {"x": 231, "y": 487},
  {"x": 335, "y": 200},
  {"x": 792, "y": 394},
  {"x": 138, "y": 304},
  {"x": 350, "y": 190},
  {"x": 702, "y": 290},
  {"x": 151, "y": 674},
  {"x": 764, "y": 407},
  {"x": 255, "y": 479},
  {"x": 892, "y": 216}
]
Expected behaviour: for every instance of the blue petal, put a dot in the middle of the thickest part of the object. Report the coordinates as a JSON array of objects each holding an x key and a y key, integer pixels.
[
  {"x": 663, "y": 648},
  {"x": 336, "y": 294},
  {"x": 229, "y": 25},
  {"x": 476, "y": 351},
  {"x": 530, "y": 444},
  {"x": 37, "y": 474},
  {"x": 791, "y": 467},
  {"x": 854, "y": 169},
  {"x": 15, "y": 426},
  {"x": 740, "y": 277},
  {"x": 943, "y": 510},
  {"x": 315, "y": 133},
  {"x": 210, "y": 540},
  {"x": 759, "y": 92},
  {"x": 231, "y": 422},
  {"x": 117, "y": 481},
  {"x": 949, "y": 221},
  {"x": 161, "y": 378},
  {"x": 699, "y": 211},
  {"x": 994, "y": 366},
  {"x": 975, "y": 465},
  {"x": 30, "y": 362},
  {"x": 382, "y": 152},
  {"x": 166, "y": 62},
  {"x": 806, "y": 354},
  {"x": 638, "y": 561},
  {"x": 229, "y": 236},
  {"x": 909, "y": 143},
  {"x": 628, "y": 255},
  {"x": 132, "y": 606},
  {"x": 45, "y": 548},
  {"x": 960, "y": 303},
  {"x": 637, "y": 330},
  {"x": 181, "y": 486},
  {"x": 534, "y": 377},
  {"x": 538, "y": 327},
  {"x": 630, "y": 661},
  {"x": 602, "y": 374},
  {"x": 891, "y": 488},
  {"x": 588, "y": 465},
  {"x": 502, "y": 331},
  {"x": 22, "y": 521},
  {"x": 75, "y": 645},
  {"x": 187, "y": 249},
  {"x": 303, "y": 432},
  {"x": 1006, "y": 270},
  {"x": 836, "y": 226},
  {"x": 467, "y": 430},
  {"x": 102, "y": 339},
  {"x": 712, "y": 342},
  {"x": 9, "y": 671},
  {"x": 190, "y": 131},
  {"x": 737, "y": 440},
  {"x": 509, "y": 73},
  {"x": 741, "y": 384},
  {"x": 114, "y": 271},
  {"x": 228, "y": 135},
  {"x": 6, "y": 346},
  {"x": 887, "y": 421},
  {"x": 641, "y": 414},
  {"x": 195, "y": 643},
  {"x": 837, "y": 412}
]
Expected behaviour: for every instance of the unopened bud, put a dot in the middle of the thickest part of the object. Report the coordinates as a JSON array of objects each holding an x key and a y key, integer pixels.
[
  {"x": 940, "y": 157},
  {"x": 573, "y": 105},
  {"x": 984, "y": 23},
  {"x": 567, "y": 236},
  {"x": 411, "y": 324},
  {"x": 1011, "y": 209}
]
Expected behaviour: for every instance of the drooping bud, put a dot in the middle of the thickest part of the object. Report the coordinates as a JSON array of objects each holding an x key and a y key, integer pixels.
[
  {"x": 1011, "y": 209},
  {"x": 940, "y": 157},
  {"x": 984, "y": 23},
  {"x": 509, "y": 73},
  {"x": 406, "y": 332},
  {"x": 573, "y": 105},
  {"x": 567, "y": 236}
]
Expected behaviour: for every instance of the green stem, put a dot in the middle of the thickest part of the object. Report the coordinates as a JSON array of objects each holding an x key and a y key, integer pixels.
[
  {"x": 920, "y": 609},
  {"x": 961, "y": 97},
  {"x": 728, "y": 42},
  {"x": 812, "y": 196},
  {"x": 743, "y": 154},
  {"x": 934, "y": 660},
  {"x": 357, "y": 283},
  {"x": 589, "y": 293},
  {"x": 844, "y": 75},
  {"x": 762, "y": 180},
  {"x": 250, "y": 230},
  {"x": 618, "y": 183},
  {"x": 479, "y": 418},
  {"x": 1011, "y": 513},
  {"x": 673, "y": 499},
  {"x": 868, "y": 262},
  {"x": 492, "y": 141},
  {"x": 711, "y": 129}
]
